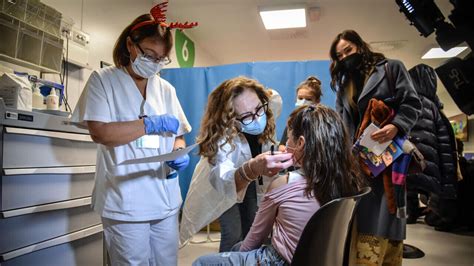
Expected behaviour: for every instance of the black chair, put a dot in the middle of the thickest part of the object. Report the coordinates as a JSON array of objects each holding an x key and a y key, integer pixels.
[{"x": 324, "y": 240}]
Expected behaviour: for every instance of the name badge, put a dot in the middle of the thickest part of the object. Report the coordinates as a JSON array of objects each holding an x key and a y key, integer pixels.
[{"x": 148, "y": 142}]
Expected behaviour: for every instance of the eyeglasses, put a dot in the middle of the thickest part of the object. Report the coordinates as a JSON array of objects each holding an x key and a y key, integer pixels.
[
  {"x": 165, "y": 60},
  {"x": 249, "y": 117}
]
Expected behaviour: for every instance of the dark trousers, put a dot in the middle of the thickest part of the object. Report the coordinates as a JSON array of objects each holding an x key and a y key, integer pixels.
[{"x": 236, "y": 222}]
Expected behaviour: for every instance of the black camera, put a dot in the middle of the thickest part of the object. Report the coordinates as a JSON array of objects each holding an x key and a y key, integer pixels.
[{"x": 456, "y": 74}]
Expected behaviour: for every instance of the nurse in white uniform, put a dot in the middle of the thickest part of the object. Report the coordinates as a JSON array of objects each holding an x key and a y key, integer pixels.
[{"x": 132, "y": 113}]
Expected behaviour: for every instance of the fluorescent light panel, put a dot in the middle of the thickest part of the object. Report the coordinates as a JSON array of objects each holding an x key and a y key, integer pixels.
[
  {"x": 284, "y": 19},
  {"x": 440, "y": 53}
]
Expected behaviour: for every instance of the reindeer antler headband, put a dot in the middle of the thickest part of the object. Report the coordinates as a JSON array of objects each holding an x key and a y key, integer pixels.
[{"x": 158, "y": 14}]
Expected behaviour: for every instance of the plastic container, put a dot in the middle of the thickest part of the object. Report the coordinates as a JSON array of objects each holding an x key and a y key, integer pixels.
[
  {"x": 38, "y": 99},
  {"x": 52, "y": 101},
  {"x": 15, "y": 8},
  {"x": 9, "y": 31},
  {"x": 35, "y": 14},
  {"x": 52, "y": 21},
  {"x": 29, "y": 44},
  {"x": 52, "y": 52},
  {"x": 46, "y": 90}
]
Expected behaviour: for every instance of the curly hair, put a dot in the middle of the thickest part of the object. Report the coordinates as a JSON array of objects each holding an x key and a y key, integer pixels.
[
  {"x": 219, "y": 119},
  {"x": 314, "y": 85},
  {"x": 328, "y": 164}
]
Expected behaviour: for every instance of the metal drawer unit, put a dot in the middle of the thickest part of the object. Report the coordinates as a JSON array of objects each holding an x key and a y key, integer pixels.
[
  {"x": 80, "y": 248},
  {"x": 47, "y": 176},
  {"x": 27, "y": 148},
  {"x": 42, "y": 226},
  {"x": 44, "y": 185}
]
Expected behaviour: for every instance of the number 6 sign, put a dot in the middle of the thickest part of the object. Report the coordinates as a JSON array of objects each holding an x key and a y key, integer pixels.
[{"x": 185, "y": 52}]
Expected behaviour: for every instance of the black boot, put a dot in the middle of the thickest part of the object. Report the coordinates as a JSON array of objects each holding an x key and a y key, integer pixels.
[{"x": 413, "y": 210}]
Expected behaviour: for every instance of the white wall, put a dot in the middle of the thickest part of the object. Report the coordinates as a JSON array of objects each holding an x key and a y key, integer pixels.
[{"x": 104, "y": 20}]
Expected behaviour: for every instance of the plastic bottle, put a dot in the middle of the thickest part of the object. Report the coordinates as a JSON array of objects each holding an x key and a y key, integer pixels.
[
  {"x": 52, "y": 100},
  {"x": 38, "y": 99}
]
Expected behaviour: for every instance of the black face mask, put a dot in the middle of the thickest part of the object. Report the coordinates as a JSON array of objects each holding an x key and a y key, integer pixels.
[{"x": 351, "y": 62}]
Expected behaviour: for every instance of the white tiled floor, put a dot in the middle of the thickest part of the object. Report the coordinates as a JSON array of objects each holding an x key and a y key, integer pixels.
[
  {"x": 191, "y": 251},
  {"x": 441, "y": 248}
]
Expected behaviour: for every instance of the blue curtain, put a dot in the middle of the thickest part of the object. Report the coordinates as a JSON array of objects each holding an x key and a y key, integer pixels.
[{"x": 193, "y": 85}]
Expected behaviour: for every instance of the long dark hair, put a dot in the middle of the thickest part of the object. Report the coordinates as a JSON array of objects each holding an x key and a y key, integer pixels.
[
  {"x": 122, "y": 56},
  {"x": 328, "y": 164},
  {"x": 369, "y": 58}
]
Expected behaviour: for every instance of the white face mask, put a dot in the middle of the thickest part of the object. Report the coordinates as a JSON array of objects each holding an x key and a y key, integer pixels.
[
  {"x": 145, "y": 68},
  {"x": 292, "y": 150},
  {"x": 300, "y": 102}
]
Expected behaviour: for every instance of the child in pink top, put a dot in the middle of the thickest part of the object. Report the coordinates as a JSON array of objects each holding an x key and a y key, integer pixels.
[
  {"x": 286, "y": 209},
  {"x": 321, "y": 148}
]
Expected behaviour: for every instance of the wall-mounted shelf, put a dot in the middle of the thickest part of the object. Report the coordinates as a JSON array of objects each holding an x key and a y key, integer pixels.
[
  {"x": 26, "y": 64},
  {"x": 29, "y": 45}
]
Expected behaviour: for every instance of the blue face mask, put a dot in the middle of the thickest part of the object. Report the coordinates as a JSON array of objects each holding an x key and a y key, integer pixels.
[{"x": 257, "y": 126}]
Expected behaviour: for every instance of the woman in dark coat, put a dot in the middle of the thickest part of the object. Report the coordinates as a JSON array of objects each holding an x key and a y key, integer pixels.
[
  {"x": 358, "y": 75},
  {"x": 434, "y": 138}
]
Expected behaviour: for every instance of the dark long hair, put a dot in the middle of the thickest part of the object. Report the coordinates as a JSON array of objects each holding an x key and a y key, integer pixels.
[
  {"x": 328, "y": 164},
  {"x": 122, "y": 56},
  {"x": 369, "y": 58}
]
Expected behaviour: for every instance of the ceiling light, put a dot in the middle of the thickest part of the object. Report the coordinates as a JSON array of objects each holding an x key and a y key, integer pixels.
[
  {"x": 440, "y": 53},
  {"x": 283, "y": 18}
]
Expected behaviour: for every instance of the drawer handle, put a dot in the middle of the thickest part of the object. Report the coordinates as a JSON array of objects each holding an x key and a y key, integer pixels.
[
  {"x": 52, "y": 242},
  {"x": 51, "y": 134},
  {"x": 47, "y": 207},
  {"x": 51, "y": 170}
]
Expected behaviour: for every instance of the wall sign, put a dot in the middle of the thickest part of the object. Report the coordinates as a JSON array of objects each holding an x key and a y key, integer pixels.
[
  {"x": 184, "y": 47},
  {"x": 460, "y": 126}
]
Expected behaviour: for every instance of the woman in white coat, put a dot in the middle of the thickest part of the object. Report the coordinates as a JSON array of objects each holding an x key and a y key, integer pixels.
[
  {"x": 236, "y": 131},
  {"x": 132, "y": 113}
]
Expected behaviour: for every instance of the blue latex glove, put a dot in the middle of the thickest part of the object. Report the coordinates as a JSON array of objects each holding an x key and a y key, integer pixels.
[
  {"x": 179, "y": 163},
  {"x": 157, "y": 124}
]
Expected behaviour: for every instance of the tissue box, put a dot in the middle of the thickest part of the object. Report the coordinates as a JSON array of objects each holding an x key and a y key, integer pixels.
[{"x": 16, "y": 92}]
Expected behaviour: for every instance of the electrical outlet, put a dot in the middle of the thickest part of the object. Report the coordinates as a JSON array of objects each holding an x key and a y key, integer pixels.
[
  {"x": 80, "y": 38},
  {"x": 67, "y": 33}
]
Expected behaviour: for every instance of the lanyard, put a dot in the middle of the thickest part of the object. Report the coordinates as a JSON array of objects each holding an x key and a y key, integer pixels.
[{"x": 142, "y": 110}]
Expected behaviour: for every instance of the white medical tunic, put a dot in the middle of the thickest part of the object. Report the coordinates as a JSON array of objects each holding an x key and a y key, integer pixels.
[
  {"x": 138, "y": 192},
  {"x": 213, "y": 190}
]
